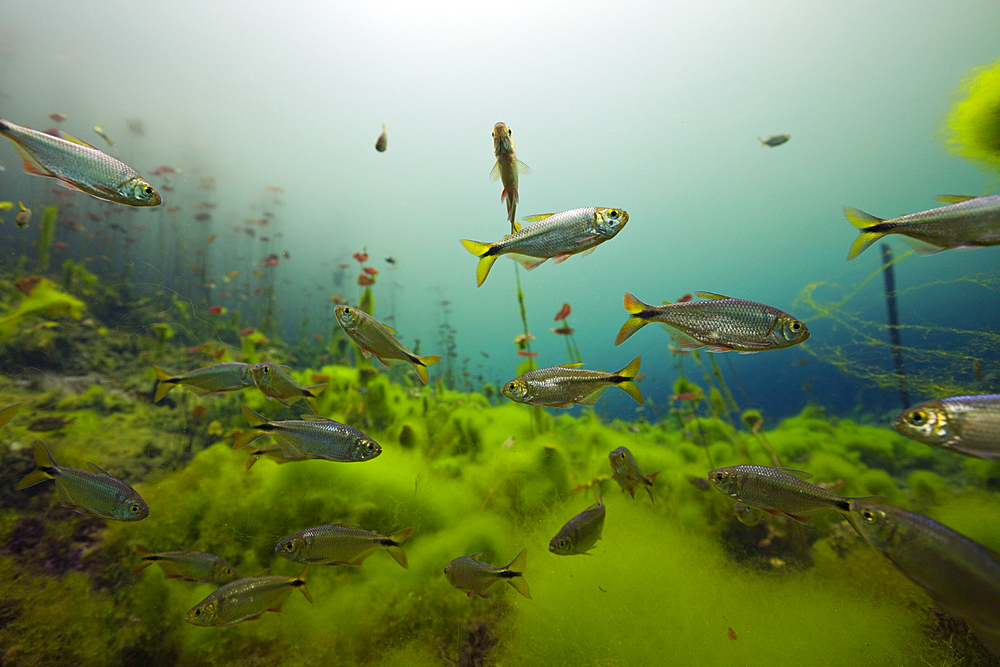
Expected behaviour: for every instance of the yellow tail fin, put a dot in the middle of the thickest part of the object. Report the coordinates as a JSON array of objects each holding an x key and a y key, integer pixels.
[
  {"x": 167, "y": 382},
  {"x": 394, "y": 549},
  {"x": 8, "y": 413},
  {"x": 420, "y": 365},
  {"x": 516, "y": 568},
  {"x": 479, "y": 249},
  {"x": 633, "y": 306},
  {"x": 864, "y": 222},
  {"x": 300, "y": 581},
  {"x": 145, "y": 553},
  {"x": 44, "y": 470},
  {"x": 630, "y": 387}
]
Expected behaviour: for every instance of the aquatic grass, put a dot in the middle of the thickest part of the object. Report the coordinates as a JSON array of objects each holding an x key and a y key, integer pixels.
[{"x": 972, "y": 124}]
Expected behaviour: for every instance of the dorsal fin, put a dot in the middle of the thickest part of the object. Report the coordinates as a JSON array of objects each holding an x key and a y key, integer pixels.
[
  {"x": 69, "y": 137},
  {"x": 711, "y": 295},
  {"x": 796, "y": 473},
  {"x": 99, "y": 469},
  {"x": 954, "y": 199},
  {"x": 576, "y": 365},
  {"x": 314, "y": 418},
  {"x": 538, "y": 217},
  {"x": 476, "y": 555}
]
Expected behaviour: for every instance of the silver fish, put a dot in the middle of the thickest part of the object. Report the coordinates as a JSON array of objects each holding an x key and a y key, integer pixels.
[
  {"x": 562, "y": 386},
  {"x": 314, "y": 438},
  {"x": 471, "y": 575},
  {"x": 554, "y": 235},
  {"x": 580, "y": 533},
  {"x": 626, "y": 472},
  {"x": 246, "y": 599},
  {"x": 967, "y": 425},
  {"x": 341, "y": 544}
]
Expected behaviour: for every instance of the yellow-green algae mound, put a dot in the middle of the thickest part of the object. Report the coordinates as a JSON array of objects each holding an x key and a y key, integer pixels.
[
  {"x": 675, "y": 582},
  {"x": 974, "y": 122}
]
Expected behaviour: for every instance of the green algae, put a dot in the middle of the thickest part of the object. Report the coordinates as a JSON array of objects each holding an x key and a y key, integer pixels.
[{"x": 665, "y": 582}]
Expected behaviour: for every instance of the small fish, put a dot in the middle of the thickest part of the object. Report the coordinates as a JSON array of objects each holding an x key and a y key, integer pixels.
[
  {"x": 961, "y": 575},
  {"x": 24, "y": 217},
  {"x": 580, "y": 533},
  {"x": 79, "y": 166},
  {"x": 341, "y": 544},
  {"x": 626, "y": 472},
  {"x": 8, "y": 413},
  {"x": 390, "y": 260},
  {"x": 778, "y": 491},
  {"x": 226, "y": 376},
  {"x": 561, "y": 386},
  {"x": 99, "y": 494},
  {"x": 774, "y": 140},
  {"x": 553, "y": 235},
  {"x": 507, "y": 169},
  {"x": 471, "y": 575},
  {"x": 718, "y": 324},
  {"x": 383, "y": 141},
  {"x": 58, "y": 117},
  {"x": 314, "y": 437},
  {"x": 970, "y": 222},
  {"x": 50, "y": 424},
  {"x": 279, "y": 453},
  {"x": 99, "y": 131},
  {"x": 246, "y": 599},
  {"x": 748, "y": 516},
  {"x": 187, "y": 564},
  {"x": 376, "y": 338},
  {"x": 967, "y": 425},
  {"x": 275, "y": 382}
]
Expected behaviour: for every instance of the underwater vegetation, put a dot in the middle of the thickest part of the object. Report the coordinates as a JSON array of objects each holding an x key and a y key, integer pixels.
[{"x": 972, "y": 125}]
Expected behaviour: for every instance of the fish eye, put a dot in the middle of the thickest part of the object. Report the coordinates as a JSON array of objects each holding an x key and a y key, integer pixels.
[
  {"x": 197, "y": 612},
  {"x": 147, "y": 190},
  {"x": 795, "y": 326},
  {"x": 134, "y": 509},
  {"x": 918, "y": 417},
  {"x": 369, "y": 446},
  {"x": 612, "y": 214},
  {"x": 289, "y": 547},
  {"x": 868, "y": 516}
]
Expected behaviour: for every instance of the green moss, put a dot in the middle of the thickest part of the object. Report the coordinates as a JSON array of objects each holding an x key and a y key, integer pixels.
[{"x": 973, "y": 123}]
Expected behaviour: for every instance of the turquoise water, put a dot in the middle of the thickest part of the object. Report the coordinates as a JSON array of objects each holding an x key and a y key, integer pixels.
[{"x": 653, "y": 108}]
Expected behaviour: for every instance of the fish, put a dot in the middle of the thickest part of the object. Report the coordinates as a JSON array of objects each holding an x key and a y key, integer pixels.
[
  {"x": 274, "y": 382},
  {"x": 23, "y": 217},
  {"x": 99, "y": 131},
  {"x": 313, "y": 437},
  {"x": 246, "y": 599},
  {"x": 580, "y": 533},
  {"x": 58, "y": 117},
  {"x": 226, "y": 376},
  {"x": 969, "y": 222},
  {"x": 626, "y": 472},
  {"x": 562, "y": 386},
  {"x": 6, "y": 205},
  {"x": 553, "y": 235},
  {"x": 98, "y": 494},
  {"x": 376, "y": 338},
  {"x": 718, "y": 324},
  {"x": 961, "y": 575},
  {"x": 471, "y": 575},
  {"x": 279, "y": 453},
  {"x": 8, "y": 413},
  {"x": 50, "y": 423},
  {"x": 968, "y": 425},
  {"x": 341, "y": 544},
  {"x": 774, "y": 140},
  {"x": 187, "y": 564},
  {"x": 79, "y": 166},
  {"x": 383, "y": 141},
  {"x": 779, "y": 491},
  {"x": 390, "y": 260},
  {"x": 748, "y": 516},
  {"x": 507, "y": 169}
]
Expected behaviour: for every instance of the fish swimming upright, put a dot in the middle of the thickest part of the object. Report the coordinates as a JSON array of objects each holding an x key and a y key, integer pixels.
[
  {"x": 99, "y": 494},
  {"x": 313, "y": 438},
  {"x": 383, "y": 141},
  {"x": 970, "y": 222},
  {"x": 187, "y": 564},
  {"x": 341, "y": 544},
  {"x": 507, "y": 169},
  {"x": 23, "y": 217},
  {"x": 246, "y": 599},
  {"x": 373, "y": 337},
  {"x": 718, "y": 324},
  {"x": 968, "y": 425},
  {"x": 561, "y": 386},
  {"x": 226, "y": 376},
  {"x": 79, "y": 166},
  {"x": 274, "y": 382},
  {"x": 471, "y": 575},
  {"x": 774, "y": 140},
  {"x": 778, "y": 491},
  {"x": 961, "y": 575},
  {"x": 580, "y": 533},
  {"x": 553, "y": 235},
  {"x": 626, "y": 472}
]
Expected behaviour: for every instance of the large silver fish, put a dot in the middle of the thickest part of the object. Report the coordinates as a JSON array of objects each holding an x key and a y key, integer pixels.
[
  {"x": 373, "y": 337},
  {"x": 970, "y": 222},
  {"x": 475, "y": 577},
  {"x": 225, "y": 376},
  {"x": 341, "y": 544},
  {"x": 188, "y": 565},
  {"x": 961, "y": 575},
  {"x": 968, "y": 425},
  {"x": 562, "y": 386},
  {"x": 558, "y": 235},
  {"x": 718, "y": 324},
  {"x": 580, "y": 533},
  {"x": 314, "y": 438},
  {"x": 246, "y": 599},
  {"x": 97, "y": 493},
  {"x": 79, "y": 166}
]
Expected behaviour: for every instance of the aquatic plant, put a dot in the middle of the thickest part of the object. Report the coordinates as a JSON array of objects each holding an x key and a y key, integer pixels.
[
  {"x": 40, "y": 297},
  {"x": 49, "y": 214},
  {"x": 972, "y": 124}
]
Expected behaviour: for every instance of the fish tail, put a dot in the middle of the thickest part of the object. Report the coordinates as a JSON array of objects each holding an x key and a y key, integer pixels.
[
  {"x": 624, "y": 377},
  {"x": 46, "y": 467},
  {"x": 254, "y": 457},
  {"x": 166, "y": 383},
  {"x": 635, "y": 308},
  {"x": 312, "y": 393},
  {"x": 300, "y": 583},
  {"x": 420, "y": 365},
  {"x": 865, "y": 222},
  {"x": 256, "y": 422},
  {"x": 8, "y": 413},
  {"x": 516, "y": 568},
  {"x": 481, "y": 250},
  {"x": 395, "y": 551},
  {"x": 146, "y": 560},
  {"x": 253, "y": 418},
  {"x": 648, "y": 483}
]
